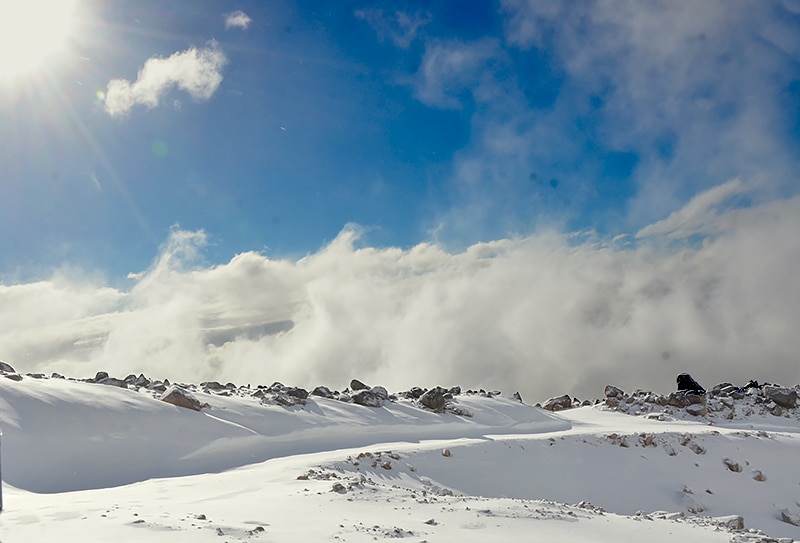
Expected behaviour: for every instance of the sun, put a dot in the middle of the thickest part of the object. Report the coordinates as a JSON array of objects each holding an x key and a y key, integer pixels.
[{"x": 30, "y": 32}]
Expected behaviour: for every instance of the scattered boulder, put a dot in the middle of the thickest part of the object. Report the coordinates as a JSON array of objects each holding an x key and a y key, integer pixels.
[
  {"x": 7, "y": 368},
  {"x": 685, "y": 398},
  {"x": 558, "y": 403},
  {"x": 367, "y": 398},
  {"x": 13, "y": 376},
  {"x": 435, "y": 399},
  {"x": 790, "y": 517},
  {"x": 322, "y": 391},
  {"x": 686, "y": 382},
  {"x": 380, "y": 392},
  {"x": 732, "y": 465},
  {"x": 697, "y": 410},
  {"x": 355, "y": 385},
  {"x": 613, "y": 392},
  {"x": 784, "y": 397},
  {"x": 180, "y": 397}
]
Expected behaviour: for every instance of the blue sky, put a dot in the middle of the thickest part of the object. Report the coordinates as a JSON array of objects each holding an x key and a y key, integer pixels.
[
  {"x": 436, "y": 121},
  {"x": 555, "y": 194}
]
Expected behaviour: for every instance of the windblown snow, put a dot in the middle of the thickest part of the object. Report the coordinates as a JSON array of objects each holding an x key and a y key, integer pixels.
[{"x": 135, "y": 459}]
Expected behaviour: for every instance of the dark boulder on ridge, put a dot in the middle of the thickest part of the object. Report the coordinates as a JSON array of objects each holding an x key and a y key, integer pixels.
[{"x": 688, "y": 384}]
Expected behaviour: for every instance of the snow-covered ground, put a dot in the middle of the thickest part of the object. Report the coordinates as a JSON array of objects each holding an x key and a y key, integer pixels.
[{"x": 86, "y": 461}]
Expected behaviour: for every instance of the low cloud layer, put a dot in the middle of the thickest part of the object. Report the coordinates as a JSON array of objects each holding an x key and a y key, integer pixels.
[
  {"x": 196, "y": 71},
  {"x": 545, "y": 315}
]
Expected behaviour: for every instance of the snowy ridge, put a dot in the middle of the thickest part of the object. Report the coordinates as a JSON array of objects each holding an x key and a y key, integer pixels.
[{"x": 88, "y": 460}]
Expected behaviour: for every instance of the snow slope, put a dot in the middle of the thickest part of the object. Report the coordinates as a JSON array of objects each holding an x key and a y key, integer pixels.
[{"x": 90, "y": 462}]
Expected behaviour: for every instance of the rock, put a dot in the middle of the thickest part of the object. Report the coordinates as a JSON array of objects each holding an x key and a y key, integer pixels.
[
  {"x": 213, "y": 386},
  {"x": 99, "y": 376},
  {"x": 517, "y": 396},
  {"x": 732, "y": 522},
  {"x": 613, "y": 392},
  {"x": 414, "y": 393},
  {"x": 367, "y": 398},
  {"x": 322, "y": 391},
  {"x": 447, "y": 453},
  {"x": 685, "y": 398},
  {"x": 13, "y": 376},
  {"x": 790, "y": 517},
  {"x": 758, "y": 475},
  {"x": 455, "y": 391},
  {"x": 686, "y": 382},
  {"x": 355, "y": 385},
  {"x": 434, "y": 399},
  {"x": 296, "y": 392},
  {"x": 558, "y": 403},
  {"x": 697, "y": 410},
  {"x": 784, "y": 397},
  {"x": 380, "y": 392},
  {"x": 4, "y": 367},
  {"x": 180, "y": 397},
  {"x": 731, "y": 465}
]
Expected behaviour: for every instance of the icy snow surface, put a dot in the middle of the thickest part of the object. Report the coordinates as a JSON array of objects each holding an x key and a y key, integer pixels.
[{"x": 92, "y": 462}]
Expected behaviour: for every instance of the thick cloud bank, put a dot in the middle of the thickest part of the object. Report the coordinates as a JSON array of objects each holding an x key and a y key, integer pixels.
[{"x": 544, "y": 314}]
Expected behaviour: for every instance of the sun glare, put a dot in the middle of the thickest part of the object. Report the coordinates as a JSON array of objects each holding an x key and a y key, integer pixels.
[{"x": 30, "y": 31}]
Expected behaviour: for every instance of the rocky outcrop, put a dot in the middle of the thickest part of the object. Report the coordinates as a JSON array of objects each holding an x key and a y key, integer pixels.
[
  {"x": 7, "y": 368},
  {"x": 558, "y": 403},
  {"x": 784, "y": 397},
  {"x": 435, "y": 399},
  {"x": 180, "y": 397}
]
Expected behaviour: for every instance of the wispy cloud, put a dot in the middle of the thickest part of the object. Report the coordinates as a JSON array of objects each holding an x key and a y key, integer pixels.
[
  {"x": 450, "y": 68},
  {"x": 196, "y": 71},
  {"x": 700, "y": 215},
  {"x": 237, "y": 19},
  {"x": 401, "y": 28},
  {"x": 542, "y": 314}
]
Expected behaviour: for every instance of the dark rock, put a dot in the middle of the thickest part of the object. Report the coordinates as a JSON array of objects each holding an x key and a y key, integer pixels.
[
  {"x": 6, "y": 367},
  {"x": 99, "y": 376},
  {"x": 455, "y": 391},
  {"x": 784, "y": 397},
  {"x": 686, "y": 382},
  {"x": 355, "y": 385},
  {"x": 434, "y": 399},
  {"x": 415, "y": 393},
  {"x": 613, "y": 392},
  {"x": 685, "y": 398},
  {"x": 558, "y": 403},
  {"x": 13, "y": 376},
  {"x": 367, "y": 398},
  {"x": 322, "y": 391},
  {"x": 380, "y": 392},
  {"x": 181, "y": 398},
  {"x": 213, "y": 386},
  {"x": 517, "y": 396},
  {"x": 296, "y": 392}
]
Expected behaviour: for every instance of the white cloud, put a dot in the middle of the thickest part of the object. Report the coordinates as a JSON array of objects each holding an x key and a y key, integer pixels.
[
  {"x": 694, "y": 88},
  {"x": 401, "y": 28},
  {"x": 196, "y": 71},
  {"x": 237, "y": 19},
  {"x": 700, "y": 215},
  {"x": 543, "y": 314},
  {"x": 451, "y": 67}
]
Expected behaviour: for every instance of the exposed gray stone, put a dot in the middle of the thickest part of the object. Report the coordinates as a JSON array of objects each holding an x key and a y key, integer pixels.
[
  {"x": 6, "y": 367},
  {"x": 434, "y": 399},
  {"x": 613, "y": 392},
  {"x": 784, "y": 397},
  {"x": 355, "y": 385},
  {"x": 367, "y": 398}
]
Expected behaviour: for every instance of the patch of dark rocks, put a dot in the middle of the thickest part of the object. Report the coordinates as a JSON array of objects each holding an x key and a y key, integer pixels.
[{"x": 725, "y": 401}]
